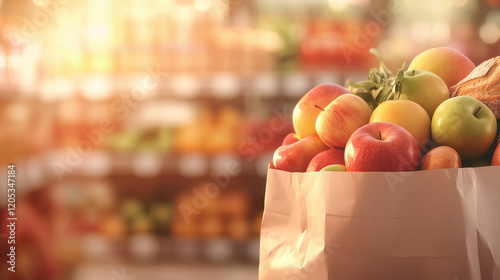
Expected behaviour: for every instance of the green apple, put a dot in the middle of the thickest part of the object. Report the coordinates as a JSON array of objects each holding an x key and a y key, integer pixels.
[
  {"x": 465, "y": 124},
  {"x": 425, "y": 88},
  {"x": 334, "y": 167}
]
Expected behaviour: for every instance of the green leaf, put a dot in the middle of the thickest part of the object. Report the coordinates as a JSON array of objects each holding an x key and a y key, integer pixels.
[
  {"x": 357, "y": 90},
  {"x": 377, "y": 79},
  {"x": 382, "y": 68},
  {"x": 400, "y": 75},
  {"x": 376, "y": 93},
  {"x": 388, "y": 73},
  {"x": 381, "y": 85},
  {"x": 375, "y": 76},
  {"x": 366, "y": 96},
  {"x": 397, "y": 90},
  {"x": 366, "y": 85},
  {"x": 376, "y": 53},
  {"x": 349, "y": 83}
]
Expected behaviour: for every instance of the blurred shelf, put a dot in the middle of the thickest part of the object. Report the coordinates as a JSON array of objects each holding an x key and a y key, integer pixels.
[
  {"x": 165, "y": 270},
  {"x": 14, "y": 93},
  {"x": 196, "y": 87},
  {"x": 147, "y": 249},
  {"x": 60, "y": 165}
]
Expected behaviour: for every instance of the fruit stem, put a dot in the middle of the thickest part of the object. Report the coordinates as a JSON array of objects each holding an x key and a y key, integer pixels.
[
  {"x": 319, "y": 107},
  {"x": 477, "y": 111},
  {"x": 379, "y": 135}
]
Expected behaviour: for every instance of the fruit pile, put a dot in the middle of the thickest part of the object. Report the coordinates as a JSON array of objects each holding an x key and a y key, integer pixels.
[{"x": 439, "y": 113}]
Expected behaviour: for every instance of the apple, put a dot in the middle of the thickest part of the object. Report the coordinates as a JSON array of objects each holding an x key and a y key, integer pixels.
[
  {"x": 382, "y": 146},
  {"x": 407, "y": 114},
  {"x": 296, "y": 157},
  {"x": 449, "y": 64},
  {"x": 441, "y": 157},
  {"x": 334, "y": 167},
  {"x": 290, "y": 138},
  {"x": 424, "y": 88},
  {"x": 495, "y": 160},
  {"x": 341, "y": 118},
  {"x": 305, "y": 113},
  {"x": 465, "y": 124},
  {"x": 328, "y": 157}
]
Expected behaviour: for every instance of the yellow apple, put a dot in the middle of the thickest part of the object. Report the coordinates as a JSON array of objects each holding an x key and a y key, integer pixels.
[
  {"x": 407, "y": 114},
  {"x": 449, "y": 64}
]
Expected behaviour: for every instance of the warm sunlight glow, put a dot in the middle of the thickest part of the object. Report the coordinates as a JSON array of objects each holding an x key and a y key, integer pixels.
[
  {"x": 99, "y": 36},
  {"x": 40, "y": 3},
  {"x": 97, "y": 88},
  {"x": 338, "y": 5},
  {"x": 441, "y": 32},
  {"x": 489, "y": 33},
  {"x": 202, "y": 5}
]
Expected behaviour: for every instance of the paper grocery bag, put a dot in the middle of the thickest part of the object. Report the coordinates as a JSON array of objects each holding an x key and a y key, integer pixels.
[{"x": 436, "y": 224}]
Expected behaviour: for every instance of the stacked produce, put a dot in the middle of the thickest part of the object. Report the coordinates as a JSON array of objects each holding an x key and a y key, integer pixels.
[{"x": 441, "y": 112}]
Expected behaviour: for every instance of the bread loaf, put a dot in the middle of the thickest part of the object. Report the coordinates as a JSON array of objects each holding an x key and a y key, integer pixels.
[{"x": 483, "y": 83}]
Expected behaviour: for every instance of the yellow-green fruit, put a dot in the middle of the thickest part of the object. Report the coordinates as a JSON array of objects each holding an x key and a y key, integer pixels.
[{"x": 424, "y": 88}]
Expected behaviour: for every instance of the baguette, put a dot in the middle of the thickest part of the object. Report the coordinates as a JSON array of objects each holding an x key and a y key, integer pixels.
[{"x": 483, "y": 83}]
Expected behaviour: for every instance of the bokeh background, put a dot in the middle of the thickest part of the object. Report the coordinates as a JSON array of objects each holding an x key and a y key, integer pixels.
[{"x": 141, "y": 130}]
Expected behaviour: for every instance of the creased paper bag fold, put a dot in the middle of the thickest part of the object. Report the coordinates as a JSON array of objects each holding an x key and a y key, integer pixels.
[{"x": 438, "y": 224}]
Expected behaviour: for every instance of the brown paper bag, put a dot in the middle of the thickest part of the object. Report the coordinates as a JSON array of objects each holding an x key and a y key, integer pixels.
[{"x": 437, "y": 224}]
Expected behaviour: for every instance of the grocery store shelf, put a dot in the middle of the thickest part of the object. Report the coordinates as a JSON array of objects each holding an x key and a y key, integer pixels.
[
  {"x": 147, "y": 248},
  {"x": 60, "y": 165},
  {"x": 185, "y": 86},
  {"x": 166, "y": 271},
  {"x": 14, "y": 92}
]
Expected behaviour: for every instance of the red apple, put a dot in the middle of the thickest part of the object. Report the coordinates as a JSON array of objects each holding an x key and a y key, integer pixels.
[
  {"x": 325, "y": 158},
  {"x": 440, "y": 158},
  {"x": 296, "y": 157},
  {"x": 341, "y": 118},
  {"x": 290, "y": 138},
  {"x": 407, "y": 114},
  {"x": 305, "y": 112},
  {"x": 382, "y": 146}
]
